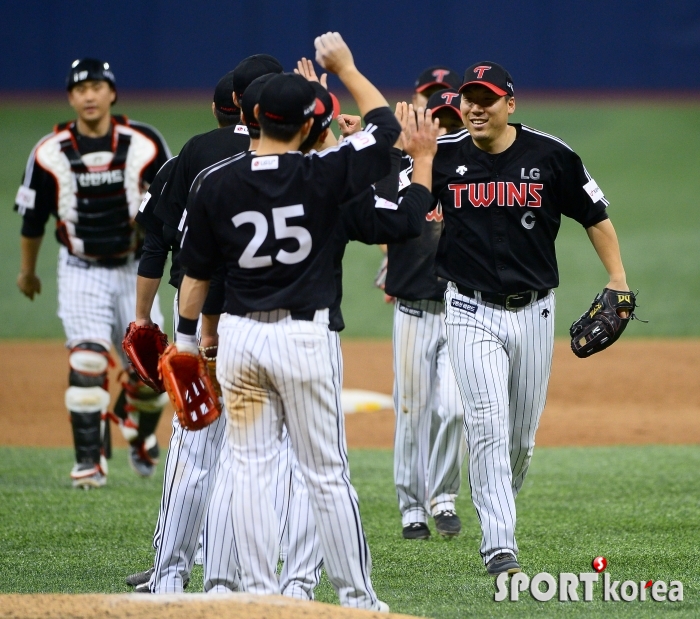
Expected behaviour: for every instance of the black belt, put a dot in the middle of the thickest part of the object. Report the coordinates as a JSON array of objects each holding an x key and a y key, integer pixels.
[
  {"x": 509, "y": 301},
  {"x": 306, "y": 315}
]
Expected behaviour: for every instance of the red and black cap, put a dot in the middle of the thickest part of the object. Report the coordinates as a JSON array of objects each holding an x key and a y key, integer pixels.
[
  {"x": 326, "y": 109},
  {"x": 437, "y": 76},
  {"x": 223, "y": 96},
  {"x": 287, "y": 98},
  {"x": 447, "y": 99},
  {"x": 251, "y": 97},
  {"x": 491, "y": 75},
  {"x": 85, "y": 69},
  {"x": 252, "y": 68}
]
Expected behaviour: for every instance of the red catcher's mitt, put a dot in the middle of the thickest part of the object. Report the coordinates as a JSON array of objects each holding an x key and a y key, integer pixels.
[
  {"x": 143, "y": 346},
  {"x": 187, "y": 382}
]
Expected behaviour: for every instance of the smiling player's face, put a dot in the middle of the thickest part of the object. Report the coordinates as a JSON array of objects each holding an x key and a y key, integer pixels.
[{"x": 485, "y": 113}]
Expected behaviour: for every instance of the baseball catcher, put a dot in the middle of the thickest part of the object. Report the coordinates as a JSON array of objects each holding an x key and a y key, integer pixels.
[{"x": 603, "y": 323}]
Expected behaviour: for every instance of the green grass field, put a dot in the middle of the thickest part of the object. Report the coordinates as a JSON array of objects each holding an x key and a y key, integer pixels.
[
  {"x": 637, "y": 506},
  {"x": 646, "y": 167}
]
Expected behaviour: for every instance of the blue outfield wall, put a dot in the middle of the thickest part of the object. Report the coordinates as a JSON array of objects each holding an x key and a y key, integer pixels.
[{"x": 189, "y": 44}]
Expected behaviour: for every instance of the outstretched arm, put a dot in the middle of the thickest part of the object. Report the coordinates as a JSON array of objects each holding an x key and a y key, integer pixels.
[{"x": 333, "y": 54}]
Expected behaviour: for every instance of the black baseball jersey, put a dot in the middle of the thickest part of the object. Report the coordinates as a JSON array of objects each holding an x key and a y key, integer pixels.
[
  {"x": 200, "y": 152},
  {"x": 155, "y": 246},
  {"x": 502, "y": 212},
  {"x": 411, "y": 272},
  {"x": 273, "y": 219},
  {"x": 378, "y": 216},
  {"x": 93, "y": 186}
]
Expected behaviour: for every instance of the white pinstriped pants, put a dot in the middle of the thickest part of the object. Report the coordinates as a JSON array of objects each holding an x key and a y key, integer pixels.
[
  {"x": 502, "y": 360},
  {"x": 97, "y": 303},
  {"x": 277, "y": 371},
  {"x": 429, "y": 444}
]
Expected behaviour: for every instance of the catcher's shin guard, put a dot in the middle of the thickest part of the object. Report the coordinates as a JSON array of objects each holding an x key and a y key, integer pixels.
[
  {"x": 138, "y": 408},
  {"x": 87, "y": 399}
]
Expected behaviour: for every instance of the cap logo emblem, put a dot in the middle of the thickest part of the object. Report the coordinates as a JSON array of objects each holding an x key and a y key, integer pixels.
[
  {"x": 480, "y": 70},
  {"x": 439, "y": 75},
  {"x": 448, "y": 96}
]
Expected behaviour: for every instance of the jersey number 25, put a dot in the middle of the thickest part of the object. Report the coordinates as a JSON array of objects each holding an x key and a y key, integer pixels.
[{"x": 249, "y": 260}]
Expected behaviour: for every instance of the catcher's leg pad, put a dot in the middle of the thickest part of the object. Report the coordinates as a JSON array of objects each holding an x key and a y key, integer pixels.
[
  {"x": 87, "y": 405},
  {"x": 138, "y": 408}
]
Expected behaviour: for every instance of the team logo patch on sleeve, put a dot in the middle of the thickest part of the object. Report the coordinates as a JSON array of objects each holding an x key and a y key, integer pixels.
[
  {"x": 411, "y": 311},
  {"x": 404, "y": 180},
  {"x": 464, "y": 305},
  {"x": 592, "y": 189},
  {"x": 145, "y": 200},
  {"x": 383, "y": 203},
  {"x": 361, "y": 140},
  {"x": 270, "y": 162},
  {"x": 241, "y": 129},
  {"x": 25, "y": 199}
]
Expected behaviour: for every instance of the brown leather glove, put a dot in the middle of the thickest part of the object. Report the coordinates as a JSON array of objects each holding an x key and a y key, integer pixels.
[
  {"x": 143, "y": 346},
  {"x": 187, "y": 382}
]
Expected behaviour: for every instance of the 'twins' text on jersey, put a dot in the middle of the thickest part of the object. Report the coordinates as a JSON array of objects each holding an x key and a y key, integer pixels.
[{"x": 502, "y": 212}]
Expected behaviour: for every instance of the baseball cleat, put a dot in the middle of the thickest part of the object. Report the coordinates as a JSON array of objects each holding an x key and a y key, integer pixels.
[
  {"x": 142, "y": 458},
  {"x": 416, "y": 530},
  {"x": 382, "y": 607},
  {"x": 144, "y": 587},
  {"x": 88, "y": 476},
  {"x": 504, "y": 562},
  {"x": 447, "y": 523},
  {"x": 140, "y": 577}
]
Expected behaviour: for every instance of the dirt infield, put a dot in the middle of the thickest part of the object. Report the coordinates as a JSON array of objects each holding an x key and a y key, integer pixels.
[
  {"x": 174, "y": 606},
  {"x": 636, "y": 392}
]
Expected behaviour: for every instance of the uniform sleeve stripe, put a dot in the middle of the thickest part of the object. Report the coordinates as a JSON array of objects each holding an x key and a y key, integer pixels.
[
  {"x": 453, "y": 137},
  {"x": 546, "y": 135},
  {"x": 216, "y": 166}
]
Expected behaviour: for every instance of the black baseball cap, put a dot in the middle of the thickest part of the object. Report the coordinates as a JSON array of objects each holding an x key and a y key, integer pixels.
[
  {"x": 251, "y": 97},
  {"x": 287, "y": 98},
  {"x": 252, "y": 68},
  {"x": 326, "y": 109},
  {"x": 447, "y": 99},
  {"x": 491, "y": 75},
  {"x": 437, "y": 76},
  {"x": 85, "y": 69},
  {"x": 223, "y": 96}
]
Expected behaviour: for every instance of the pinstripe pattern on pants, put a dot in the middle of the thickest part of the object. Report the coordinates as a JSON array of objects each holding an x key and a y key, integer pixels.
[
  {"x": 275, "y": 371},
  {"x": 502, "y": 361},
  {"x": 96, "y": 303},
  {"x": 429, "y": 445}
]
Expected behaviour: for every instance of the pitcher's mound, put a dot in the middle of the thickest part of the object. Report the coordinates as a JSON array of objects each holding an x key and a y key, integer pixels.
[{"x": 173, "y": 606}]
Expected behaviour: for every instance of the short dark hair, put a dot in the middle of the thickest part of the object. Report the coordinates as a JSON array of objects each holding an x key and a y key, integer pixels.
[
  {"x": 226, "y": 120},
  {"x": 284, "y": 132}
]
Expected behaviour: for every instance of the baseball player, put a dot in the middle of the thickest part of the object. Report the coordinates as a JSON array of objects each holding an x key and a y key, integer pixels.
[
  {"x": 271, "y": 216},
  {"x": 430, "y": 81},
  {"x": 193, "y": 456},
  {"x": 503, "y": 189},
  {"x": 374, "y": 216},
  {"x": 428, "y": 442},
  {"x": 91, "y": 174}
]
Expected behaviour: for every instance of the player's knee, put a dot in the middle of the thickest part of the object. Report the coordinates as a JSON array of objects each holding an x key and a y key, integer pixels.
[
  {"x": 88, "y": 363},
  {"x": 141, "y": 398},
  {"x": 87, "y": 399}
]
